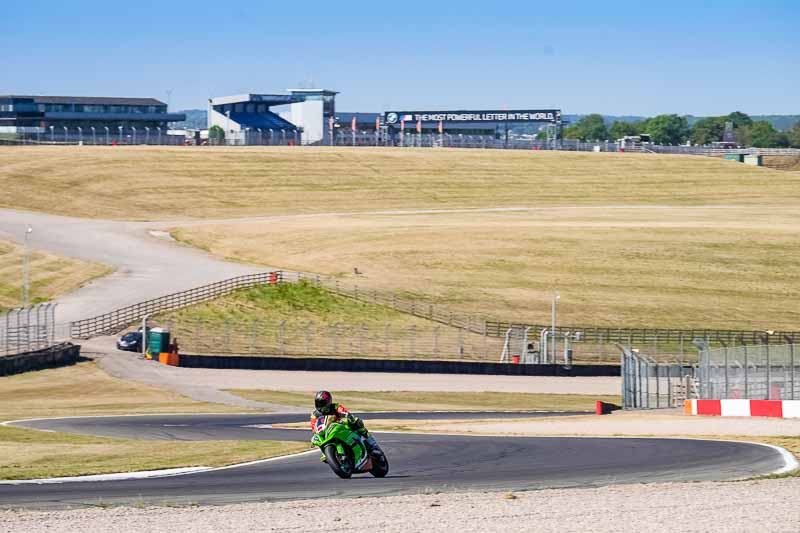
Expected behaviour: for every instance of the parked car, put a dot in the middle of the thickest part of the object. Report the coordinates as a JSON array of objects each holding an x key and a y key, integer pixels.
[{"x": 130, "y": 342}]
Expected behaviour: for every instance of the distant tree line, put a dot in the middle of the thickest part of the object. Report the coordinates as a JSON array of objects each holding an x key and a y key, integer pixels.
[{"x": 675, "y": 129}]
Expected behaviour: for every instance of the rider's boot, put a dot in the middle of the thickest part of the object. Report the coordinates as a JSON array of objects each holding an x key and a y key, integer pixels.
[{"x": 372, "y": 444}]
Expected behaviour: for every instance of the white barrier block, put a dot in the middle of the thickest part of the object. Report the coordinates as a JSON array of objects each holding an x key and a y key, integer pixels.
[
  {"x": 791, "y": 408},
  {"x": 735, "y": 407}
]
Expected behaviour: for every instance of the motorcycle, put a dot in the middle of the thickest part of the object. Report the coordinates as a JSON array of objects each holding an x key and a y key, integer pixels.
[{"x": 345, "y": 450}]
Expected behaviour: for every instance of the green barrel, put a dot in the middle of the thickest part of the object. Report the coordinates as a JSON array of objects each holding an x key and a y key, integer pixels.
[
  {"x": 739, "y": 158},
  {"x": 158, "y": 341}
]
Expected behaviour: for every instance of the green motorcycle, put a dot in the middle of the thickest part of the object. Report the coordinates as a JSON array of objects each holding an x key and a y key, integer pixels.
[{"x": 345, "y": 451}]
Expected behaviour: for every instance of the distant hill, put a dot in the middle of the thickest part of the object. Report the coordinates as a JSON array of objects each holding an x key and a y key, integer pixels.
[
  {"x": 781, "y": 122},
  {"x": 196, "y": 119}
]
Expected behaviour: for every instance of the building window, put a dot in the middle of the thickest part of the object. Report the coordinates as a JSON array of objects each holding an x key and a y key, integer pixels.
[{"x": 239, "y": 108}]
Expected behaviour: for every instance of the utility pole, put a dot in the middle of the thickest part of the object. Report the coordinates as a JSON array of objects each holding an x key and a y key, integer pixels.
[
  {"x": 556, "y": 297},
  {"x": 26, "y": 267}
]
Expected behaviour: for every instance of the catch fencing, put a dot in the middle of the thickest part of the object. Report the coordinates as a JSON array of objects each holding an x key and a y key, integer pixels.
[
  {"x": 664, "y": 345},
  {"x": 282, "y": 137},
  {"x": 258, "y": 337},
  {"x": 649, "y": 384},
  {"x": 763, "y": 371},
  {"x": 27, "y": 329},
  {"x": 587, "y": 345},
  {"x": 98, "y": 136}
]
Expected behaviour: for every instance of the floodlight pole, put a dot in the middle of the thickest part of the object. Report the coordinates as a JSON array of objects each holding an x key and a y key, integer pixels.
[
  {"x": 556, "y": 297},
  {"x": 26, "y": 269},
  {"x": 144, "y": 335}
]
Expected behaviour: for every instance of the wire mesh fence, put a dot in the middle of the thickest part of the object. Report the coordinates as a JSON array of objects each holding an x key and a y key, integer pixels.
[
  {"x": 573, "y": 343},
  {"x": 649, "y": 384},
  {"x": 97, "y": 136},
  {"x": 27, "y": 329},
  {"x": 763, "y": 371},
  {"x": 256, "y": 337}
]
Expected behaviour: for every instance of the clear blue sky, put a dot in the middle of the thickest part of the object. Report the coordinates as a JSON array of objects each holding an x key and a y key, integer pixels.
[{"x": 637, "y": 58}]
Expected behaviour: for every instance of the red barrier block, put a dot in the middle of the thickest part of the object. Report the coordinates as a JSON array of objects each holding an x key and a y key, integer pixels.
[
  {"x": 709, "y": 407},
  {"x": 771, "y": 408},
  {"x": 603, "y": 408}
]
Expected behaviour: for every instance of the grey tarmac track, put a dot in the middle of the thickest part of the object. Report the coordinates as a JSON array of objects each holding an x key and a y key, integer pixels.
[
  {"x": 419, "y": 462},
  {"x": 146, "y": 267}
]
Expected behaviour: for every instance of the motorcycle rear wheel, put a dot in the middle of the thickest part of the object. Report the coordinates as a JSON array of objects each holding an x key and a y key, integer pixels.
[{"x": 342, "y": 468}]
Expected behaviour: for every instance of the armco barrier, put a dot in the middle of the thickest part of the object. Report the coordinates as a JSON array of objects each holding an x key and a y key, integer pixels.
[
  {"x": 59, "y": 355},
  {"x": 324, "y": 364}
]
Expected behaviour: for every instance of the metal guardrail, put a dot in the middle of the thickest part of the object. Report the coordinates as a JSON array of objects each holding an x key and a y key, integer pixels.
[{"x": 119, "y": 319}]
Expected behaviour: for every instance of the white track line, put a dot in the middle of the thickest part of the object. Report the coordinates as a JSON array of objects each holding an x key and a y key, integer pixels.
[{"x": 147, "y": 474}]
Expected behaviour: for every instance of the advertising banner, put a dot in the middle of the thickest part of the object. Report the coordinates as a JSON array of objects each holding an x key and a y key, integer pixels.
[{"x": 526, "y": 115}]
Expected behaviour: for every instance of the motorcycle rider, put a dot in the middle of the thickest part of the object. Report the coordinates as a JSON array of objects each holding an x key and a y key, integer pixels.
[{"x": 324, "y": 406}]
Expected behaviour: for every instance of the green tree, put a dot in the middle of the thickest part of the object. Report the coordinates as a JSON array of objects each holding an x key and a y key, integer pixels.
[
  {"x": 594, "y": 127},
  {"x": 794, "y": 136},
  {"x": 667, "y": 129},
  {"x": 764, "y": 135},
  {"x": 216, "y": 133},
  {"x": 708, "y": 130},
  {"x": 572, "y": 132},
  {"x": 620, "y": 129},
  {"x": 589, "y": 128},
  {"x": 739, "y": 119}
]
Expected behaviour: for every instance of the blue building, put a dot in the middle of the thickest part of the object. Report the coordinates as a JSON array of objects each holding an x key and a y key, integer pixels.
[
  {"x": 26, "y": 116},
  {"x": 303, "y": 115}
]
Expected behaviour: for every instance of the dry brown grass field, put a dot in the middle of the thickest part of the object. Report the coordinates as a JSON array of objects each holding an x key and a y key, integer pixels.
[
  {"x": 723, "y": 267},
  {"x": 151, "y": 183},
  {"x": 51, "y": 275},
  {"x": 627, "y": 239}
]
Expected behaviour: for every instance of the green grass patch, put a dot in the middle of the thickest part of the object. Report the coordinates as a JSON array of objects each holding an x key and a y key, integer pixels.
[
  {"x": 32, "y": 454},
  {"x": 292, "y": 303},
  {"x": 435, "y": 401}
]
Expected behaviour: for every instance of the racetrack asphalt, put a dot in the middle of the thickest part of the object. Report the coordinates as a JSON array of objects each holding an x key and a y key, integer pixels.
[
  {"x": 419, "y": 462},
  {"x": 146, "y": 267}
]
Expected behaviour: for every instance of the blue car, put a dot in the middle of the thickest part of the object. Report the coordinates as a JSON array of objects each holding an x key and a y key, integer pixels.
[{"x": 130, "y": 342}]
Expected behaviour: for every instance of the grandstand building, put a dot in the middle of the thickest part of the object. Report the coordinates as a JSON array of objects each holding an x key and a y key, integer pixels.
[
  {"x": 304, "y": 115},
  {"x": 26, "y": 115}
]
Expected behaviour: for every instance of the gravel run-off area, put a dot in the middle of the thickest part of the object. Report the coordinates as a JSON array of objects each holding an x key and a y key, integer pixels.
[{"x": 764, "y": 506}]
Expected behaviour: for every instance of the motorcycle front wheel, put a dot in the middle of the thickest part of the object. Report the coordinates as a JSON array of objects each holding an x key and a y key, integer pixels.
[{"x": 341, "y": 466}]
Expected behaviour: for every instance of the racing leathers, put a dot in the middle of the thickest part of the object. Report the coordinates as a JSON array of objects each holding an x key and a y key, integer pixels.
[{"x": 353, "y": 422}]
